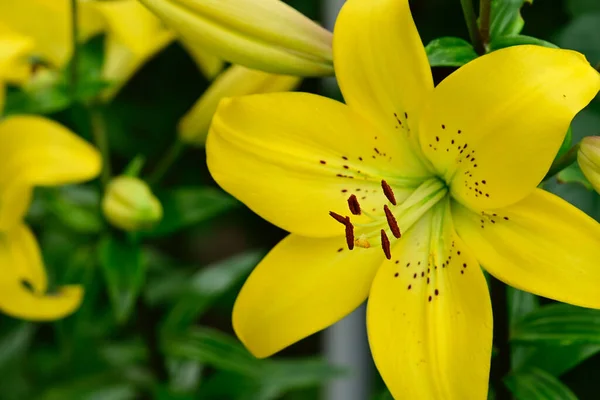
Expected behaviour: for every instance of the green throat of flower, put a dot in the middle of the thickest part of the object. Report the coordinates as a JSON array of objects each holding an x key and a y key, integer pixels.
[{"x": 396, "y": 218}]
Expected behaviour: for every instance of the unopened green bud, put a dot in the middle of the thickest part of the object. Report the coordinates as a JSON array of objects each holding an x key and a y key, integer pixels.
[
  {"x": 588, "y": 158},
  {"x": 265, "y": 35},
  {"x": 130, "y": 205}
]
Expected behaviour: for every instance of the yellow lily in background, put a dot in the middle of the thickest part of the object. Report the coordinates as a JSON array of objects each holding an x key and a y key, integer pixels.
[
  {"x": 236, "y": 81},
  {"x": 588, "y": 158},
  {"x": 35, "y": 151},
  {"x": 402, "y": 194},
  {"x": 14, "y": 65},
  {"x": 265, "y": 35}
]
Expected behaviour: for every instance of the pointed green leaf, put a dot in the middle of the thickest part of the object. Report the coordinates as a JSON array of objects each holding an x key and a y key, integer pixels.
[
  {"x": 506, "y": 19},
  {"x": 124, "y": 273},
  {"x": 515, "y": 40},
  {"x": 449, "y": 52},
  {"x": 537, "y": 384}
]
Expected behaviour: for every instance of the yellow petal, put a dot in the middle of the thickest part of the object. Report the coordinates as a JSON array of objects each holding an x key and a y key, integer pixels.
[
  {"x": 541, "y": 244},
  {"x": 429, "y": 316},
  {"x": 48, "y": 23},
  {"x": 293, "y": 157},
  {"x": 38, "y": 151},
  {"x": 588, "y": 158},
  {"x": 265, "y": 35},
  {"x": 302, "y": 286},
  {"x": 209, "y": 64},
  {"x": 133, "y": 35},
  {"x": 382, "y": 68},
  {"x": 21, "y": 261},
  {"x": 14, "y": 50},
  {"x": 493, "y": 127},
  {"x": 236, "y": 81}
]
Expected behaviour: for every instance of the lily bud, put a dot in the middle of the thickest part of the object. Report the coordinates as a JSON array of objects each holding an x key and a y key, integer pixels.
[
  {"x": 130, "y": 205},
  {"x": 588, "y": 158},
  {"x": 267, "y": 35},
  {"x": 236, "y": 81}
]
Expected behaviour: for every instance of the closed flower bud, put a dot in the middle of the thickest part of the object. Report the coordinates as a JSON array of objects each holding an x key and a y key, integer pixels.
[
  {"x": 588, "y": 158},
  {"x": 130, "y": 205},
  {"x": 236, "y": 81},
  {"x": 264, "y": 35}
]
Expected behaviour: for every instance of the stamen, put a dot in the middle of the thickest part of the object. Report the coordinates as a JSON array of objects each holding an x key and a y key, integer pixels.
[
  {"x": 385, "y": 244},
  {"x": 353, "y": 205},
  {"x": 387, "y": 190},
  {"x": 392, "y": 223},
  {"x": 339, "y": 218},
  {"x": 349, "y": 234},
  {"x": 362, "y": 242}
]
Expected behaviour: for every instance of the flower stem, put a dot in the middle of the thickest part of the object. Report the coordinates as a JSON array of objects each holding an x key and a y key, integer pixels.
[
  {"x": 98, "y": 127},
  {"x": 501, "y": 363},
  {"x": 166, "y": 162},
  {"x": 471, "y": 20},
  {"x": 563, "y": 162},
  {"x": 75, "y": 56},
  {"x": 485, "y": 11}
]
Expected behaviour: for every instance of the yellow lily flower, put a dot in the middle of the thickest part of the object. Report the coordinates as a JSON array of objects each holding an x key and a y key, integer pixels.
[
  {"x": 236, "y": 81},
  {"x": 35, "y": 151},
  {"x": 48, "y": 24},
  {"x": 588, "y": 158},
  {"x": 264, "y": 35},
  {"x": 402, "y": 194}
]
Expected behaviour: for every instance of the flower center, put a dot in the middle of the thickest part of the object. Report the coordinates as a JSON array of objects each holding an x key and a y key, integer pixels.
[{"x": 393, "y": 218}]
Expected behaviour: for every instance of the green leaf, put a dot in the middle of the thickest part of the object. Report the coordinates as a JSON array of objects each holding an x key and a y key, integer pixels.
[
  {"x": 520, "y": 303},
  {"x": 537, "y": 384},
  {"x": 208, "y": 285},
  {"x": 560, "y": 325},
  {"x": 449, "y": 52},
  {"x": 557, "y": 360},
  {"x": 223, "y": 352},
  {"x": 515, "y": 40},
  {"x": 77, "y": 207},
  {"x": 185, "y": 207},
  {"x": 573, "y": 174},
  {"x": 506, "y": 19},
  {"x": 124, "y": 272}
]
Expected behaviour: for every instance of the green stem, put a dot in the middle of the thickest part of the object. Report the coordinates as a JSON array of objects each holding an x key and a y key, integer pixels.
[
  {"x": 563, "y": 162},
  {"x": 485, "y": 12},
  {"x": 471, "y": 20},
  {"x": 75, "y": 57},
  {"x": 166, "y": 162},
  {"x": 98, "y": 126}
]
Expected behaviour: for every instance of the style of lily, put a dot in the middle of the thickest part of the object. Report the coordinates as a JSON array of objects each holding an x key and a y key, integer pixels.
[{"x": 403, "y": 194}]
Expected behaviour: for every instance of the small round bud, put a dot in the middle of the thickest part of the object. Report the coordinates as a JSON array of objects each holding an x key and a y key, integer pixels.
[
  {"x": 129, "y": 204},
  {"x": 588, "y": 158}
]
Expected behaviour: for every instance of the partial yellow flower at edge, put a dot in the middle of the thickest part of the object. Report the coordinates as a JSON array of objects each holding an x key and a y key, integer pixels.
[
  {"x": 14, "y": 52},
  {"x": 404, "y": 194},
  {"x": 236, "y": 81},
  {"x": 35, "y": 151},
  {"x": 588, "y": 158},
  {"x": 48, "y": 24},
  {"x": 265, "y": 35},
  {"x": 133, "y": 35},
  {"x": 209, "y": 64}
]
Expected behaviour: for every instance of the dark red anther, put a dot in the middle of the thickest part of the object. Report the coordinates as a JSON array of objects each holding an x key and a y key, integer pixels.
[
  {"x": 339, "y": 218},
  {"x": 385, "y": 244},
  {"x": 391, "y": 220},
  {"x": 349, "y": 234},
  {"x": 387, "y": 190},
  {"x": 353, "y": 205}
]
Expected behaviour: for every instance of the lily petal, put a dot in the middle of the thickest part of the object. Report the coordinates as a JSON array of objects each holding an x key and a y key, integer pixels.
[
  {"x": 21, "y": 258},
  {"x": 382, "y": 68},
  {"x": 134, "y": 35},
  {"x": 14, "y": 49},
  {"x": 236, "y": 81},
  {"x": 48, "y": 22},
  {"x": 302, "y": 286},
  {"x": 493, "y": 127},
  {"x": 209, "y": 64},
  {"x": 265, "y": 35},
  {"x": 542, "y": 245},
  {"x": 38, "y": 152},
  {"x": 429, "y": 315},
  {"x": 294, "y": 157}
]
